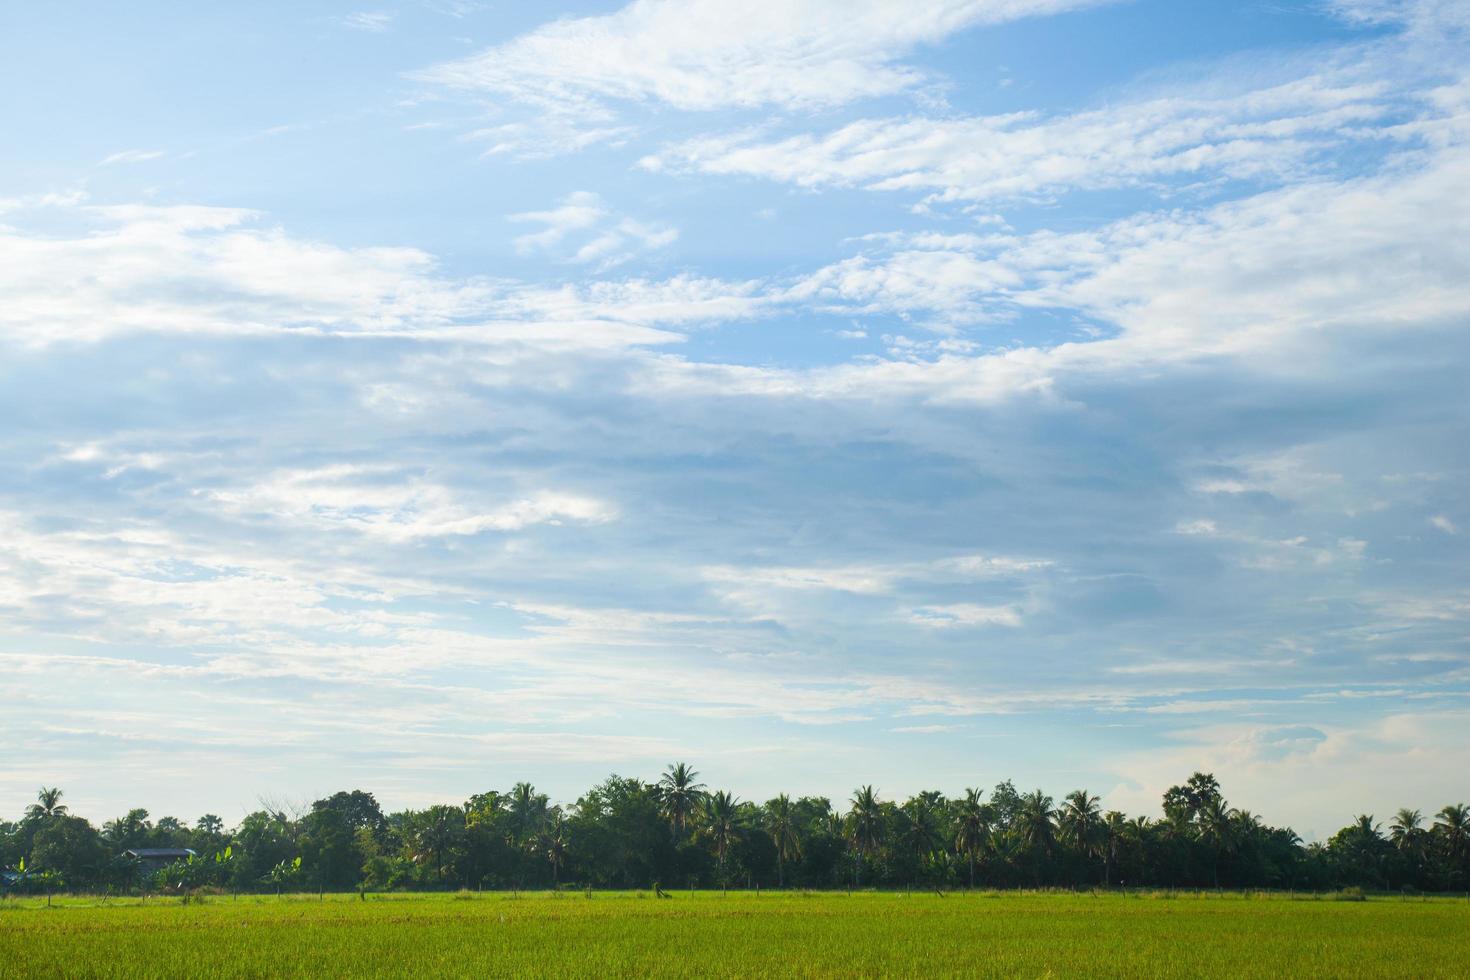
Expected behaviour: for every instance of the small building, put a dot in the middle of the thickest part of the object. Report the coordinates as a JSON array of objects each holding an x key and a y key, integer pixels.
[{"x": 150, "y": 859}]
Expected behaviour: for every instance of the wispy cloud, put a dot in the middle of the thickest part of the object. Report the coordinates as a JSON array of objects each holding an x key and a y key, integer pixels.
[
  {"x": 130, "y": 156},
  {"x": 369, "y": 21},
  {"x": 601, "y": 237},
  {"x": 706, "y": 54}
]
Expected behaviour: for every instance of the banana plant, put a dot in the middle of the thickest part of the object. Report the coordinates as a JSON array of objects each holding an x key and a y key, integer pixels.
[{"x": 283, "y": 873}]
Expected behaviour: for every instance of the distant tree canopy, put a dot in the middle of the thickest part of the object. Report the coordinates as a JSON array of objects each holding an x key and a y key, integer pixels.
[{"x": 626, "y": 833}]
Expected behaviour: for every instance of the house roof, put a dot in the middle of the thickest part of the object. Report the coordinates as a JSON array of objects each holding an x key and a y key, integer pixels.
[{"x": 144, "y": 853}]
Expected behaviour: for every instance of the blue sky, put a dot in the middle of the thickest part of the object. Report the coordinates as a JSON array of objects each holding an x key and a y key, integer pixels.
[{"x": 432, "y": 396}]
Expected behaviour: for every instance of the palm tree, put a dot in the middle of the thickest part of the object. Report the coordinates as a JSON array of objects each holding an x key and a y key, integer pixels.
[
  {"x": 972, "y": 828},
  {"x": 864, "y": 827},
  {"x": 781, "y": 824},
  {"x": 1216, "y": 828},
  {"x": 1452, "y": 827},
  {"x": 1081, "y": 821},
  {"x": 1405, "y": 829},
  {"x": 1114, "y": 832},
  {"x": 554, "y": 846},
  {"x": 48, "y": 804},
  {"x": 528, "y": 812},
  {"x": 434, "y": 832},
  {"x": 722, "y": 826},
  {"x": 1138, "y": 834},
  {"x": 679, "y": 796},
  {"x": 1037, "y": 829},
  {"x": 918, "y": 831}
]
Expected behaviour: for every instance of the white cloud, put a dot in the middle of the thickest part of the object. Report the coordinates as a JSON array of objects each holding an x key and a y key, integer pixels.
[
  {"x": 379, "y": 502},
  {"x": 547, "y": 136},
  {"x": 214, "y": 271},
  {"x": 578, "y": 210},
  {"x": 965, "y": 614},
  {"x": 707, "y": 54},
  {"x": 1429, "y": 19},
  {"x": 130, "y": 156},
  {"x": 601, "y": 236},
  {"x": 1272, "y": 133},
  {"x": 1444, "y": 524},
  {"x": 369, "y": 21},
  {"x": 1196, "y": 527}
]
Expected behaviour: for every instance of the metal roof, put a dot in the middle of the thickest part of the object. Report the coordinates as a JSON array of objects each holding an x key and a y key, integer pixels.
[{"x": 160, "y": 852}]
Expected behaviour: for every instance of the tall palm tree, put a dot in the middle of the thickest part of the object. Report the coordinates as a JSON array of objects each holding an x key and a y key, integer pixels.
[
  {"x": 1037, "y": 829},
  {"x": 721, "y": 826},
  {"x": 554, "y": 846},
  {"x": 1081, "y": 820},
  {"x": 48, "y": 804},
  {"x": 680, "y": 796},
  {"x": 528, "y": 812},
  {"x": 782, "y": 825},
  {"x": 918, "y": 830},
  {"x": 434, "y": 833},
  {"x": 972, "y": 828},
  {"x": 1216, "y": 828},
  {"x": 1405, "y": 828},
  {"x": 864, "y": 827},
  {"x": 1138, "y": 834},
  {"x": 1114, "y": 833},
  {"x": 1452, "y": 827}
]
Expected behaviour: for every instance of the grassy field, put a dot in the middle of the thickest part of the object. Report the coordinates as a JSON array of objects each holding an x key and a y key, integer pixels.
[{"x": 703, "y": 934}]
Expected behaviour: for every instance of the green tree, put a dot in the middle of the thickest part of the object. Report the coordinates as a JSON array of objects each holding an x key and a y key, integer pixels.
[
  {"x": 329, "y": 847},
  {"x": 133, "y": 829},
  {"x": 48, "y": 804},
  {"x": 70, "y": 847},
  {"x": 864, "y": 828},
  {"x": 1452, "y": 833},
  {"x": 1216, "y": 829},
  {"x": 528, "y": 812},
  {"x": 554, "y": 846},
  {"x": 722, "y": 826},
  {"x": 680, "y": 796},
  {"x": 785, "y": 829},
  {"x": 918, "y": 832},
  {"x": 1114, "y": 835},
  {"x": 1080, "y": 820},
  {"x": 1037, "y": 830},
  {"x": 435, "y": 834},
  {"x": 972, "y": 828}
]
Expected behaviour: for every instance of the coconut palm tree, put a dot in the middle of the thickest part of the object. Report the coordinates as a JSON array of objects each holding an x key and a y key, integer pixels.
[
  {"x": 1037, "y": 829},
  {"x": 1452, "y": 827},
  {"x": 528, "y": 812},
  {"x": 781, "y": 824},
  {"x": 554, "y": 846},
  {"x": 864, "y": 827},
  {"x": 434, "y": 833},
  {"x": 1114, "y": 833},
  {"x": 48, "y": 804},
  {"x": 1217, "y": 829},
  {"x": 680, "y": 796},
  {"x": 972, "y": 828},
  {"x": 722, "y": 826},
  {"x": 918, "y": 832},
  {"x": 1405, "y": 828},
  {"x": 1080, "y": 819}
]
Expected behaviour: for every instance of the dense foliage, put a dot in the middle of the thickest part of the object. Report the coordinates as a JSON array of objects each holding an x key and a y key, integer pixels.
[{"x": 673, "y": 833}]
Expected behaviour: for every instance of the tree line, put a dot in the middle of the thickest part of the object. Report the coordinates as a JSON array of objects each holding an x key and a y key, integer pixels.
[{"x": 675, "y": 833}]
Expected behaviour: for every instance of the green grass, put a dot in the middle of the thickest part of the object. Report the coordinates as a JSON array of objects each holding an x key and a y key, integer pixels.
[{"x": 704, "y": 934}]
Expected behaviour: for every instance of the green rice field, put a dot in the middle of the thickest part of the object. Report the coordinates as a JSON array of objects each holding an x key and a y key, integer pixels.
[{"x": 740, "y": 934}]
